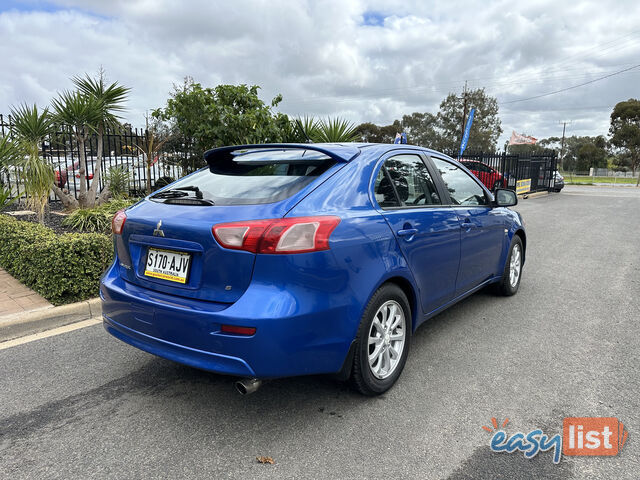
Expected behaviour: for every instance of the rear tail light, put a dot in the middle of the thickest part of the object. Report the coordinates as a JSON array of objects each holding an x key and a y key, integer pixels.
[
  {"x": 277, "y": 236},
  {"x": 117, "y": 223}
]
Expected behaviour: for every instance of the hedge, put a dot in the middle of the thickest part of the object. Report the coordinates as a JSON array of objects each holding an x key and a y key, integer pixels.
[{"x": 62, "y": 268}]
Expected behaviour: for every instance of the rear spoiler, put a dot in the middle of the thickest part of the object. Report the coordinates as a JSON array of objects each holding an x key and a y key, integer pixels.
[{"x": 337, "y": 151}]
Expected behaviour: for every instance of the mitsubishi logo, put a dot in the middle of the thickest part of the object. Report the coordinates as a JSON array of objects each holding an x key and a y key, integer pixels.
[{"x": 158, "y": 231}]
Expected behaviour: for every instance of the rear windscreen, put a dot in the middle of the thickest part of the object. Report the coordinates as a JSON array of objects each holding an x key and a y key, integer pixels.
[{"x": 247, "y": 177}]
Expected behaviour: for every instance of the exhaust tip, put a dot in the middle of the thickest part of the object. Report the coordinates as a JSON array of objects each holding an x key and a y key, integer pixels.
[{"x": 246, "y": 386}]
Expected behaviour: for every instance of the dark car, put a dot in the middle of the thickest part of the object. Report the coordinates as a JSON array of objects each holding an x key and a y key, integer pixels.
[
  {"x": 558, "y": 181},
  {"x": 301, "y": 259},
  {"x": 489, "y": 176}
]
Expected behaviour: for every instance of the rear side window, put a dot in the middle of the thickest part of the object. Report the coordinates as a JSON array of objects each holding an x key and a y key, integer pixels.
[
  {"x": 249, "y": 177},
  {"x": 404, "y": 180}
]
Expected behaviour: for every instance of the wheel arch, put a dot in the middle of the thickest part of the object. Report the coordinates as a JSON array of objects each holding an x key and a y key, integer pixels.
[
  {"x": 408, "y": 289},
  {"x": 523, "y": 237}
]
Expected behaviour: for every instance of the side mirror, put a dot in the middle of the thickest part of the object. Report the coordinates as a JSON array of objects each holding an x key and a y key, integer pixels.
[{"x": 505, "y": 198}]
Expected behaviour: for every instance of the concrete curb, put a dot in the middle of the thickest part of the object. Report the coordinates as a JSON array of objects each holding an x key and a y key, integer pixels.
[
  {"x": 532, "y": 195},
  {"x": 21, "y": 324}
]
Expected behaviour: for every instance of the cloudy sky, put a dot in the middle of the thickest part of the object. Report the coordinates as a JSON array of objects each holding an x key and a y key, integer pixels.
[{"x": 363, "y": 60}]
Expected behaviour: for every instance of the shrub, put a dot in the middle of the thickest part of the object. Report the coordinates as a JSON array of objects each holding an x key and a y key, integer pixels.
[
  {"x": 5, "y": 197},
  {"x": 117, "y": 178},
  {"x": 62, "y": 268},
  {"x": 97, "y": 219}
]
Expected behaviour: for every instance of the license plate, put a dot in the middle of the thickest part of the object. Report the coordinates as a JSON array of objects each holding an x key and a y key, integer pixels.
[{"x": 167, "y": 265}]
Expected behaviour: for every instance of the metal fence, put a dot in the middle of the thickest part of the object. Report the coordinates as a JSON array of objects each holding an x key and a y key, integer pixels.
[
  {"x": 510, "y": 169},
  {"x": 120, "y": 150}
]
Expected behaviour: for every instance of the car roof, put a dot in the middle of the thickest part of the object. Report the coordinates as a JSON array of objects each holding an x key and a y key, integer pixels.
[{"x": 344, "y": 152}]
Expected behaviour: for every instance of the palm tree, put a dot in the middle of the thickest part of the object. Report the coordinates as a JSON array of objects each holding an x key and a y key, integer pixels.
[
  {"x": 81, "y": 112},
  {"x": 151, "y": 147},
  {"x": 305, "y": 129},
  {"x": 336, "y": 130},
  {"x": 10, "y": 153},
  {"x": 110, "y": 98},
  {"x": 30, "y": 128}
]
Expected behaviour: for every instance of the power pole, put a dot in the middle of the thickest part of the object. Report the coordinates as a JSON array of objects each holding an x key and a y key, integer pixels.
[
  {"x": 564, "y": 127},
  {"x": 464, "y": 110}
]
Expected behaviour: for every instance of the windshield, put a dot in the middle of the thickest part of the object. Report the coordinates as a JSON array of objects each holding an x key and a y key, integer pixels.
[{"x": 248, "y": 177}]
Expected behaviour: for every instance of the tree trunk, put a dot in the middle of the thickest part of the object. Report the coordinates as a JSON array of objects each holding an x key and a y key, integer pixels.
[
  {"x": 67, "y": 200},
  {"x": 97, "y": 170},
  {"x": 148, "y": 192},
  {"x": 105, "y": 195},
  {"x": 82, "y": 170}
]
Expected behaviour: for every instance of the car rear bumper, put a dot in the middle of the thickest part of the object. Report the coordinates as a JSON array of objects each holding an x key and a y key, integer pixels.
[
  {"x": 179, "y": 353},
  {"x": 296, "y": 334}
]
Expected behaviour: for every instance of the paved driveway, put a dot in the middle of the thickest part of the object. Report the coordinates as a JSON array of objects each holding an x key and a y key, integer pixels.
[{"x": 83, "y": 404}]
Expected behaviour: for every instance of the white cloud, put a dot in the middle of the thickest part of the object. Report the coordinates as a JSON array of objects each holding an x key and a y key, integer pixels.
[{"x": 324, "y": 59}]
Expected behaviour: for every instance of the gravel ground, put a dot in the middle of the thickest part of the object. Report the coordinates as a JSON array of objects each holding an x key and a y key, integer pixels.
[{"x": 53, "y": 217}]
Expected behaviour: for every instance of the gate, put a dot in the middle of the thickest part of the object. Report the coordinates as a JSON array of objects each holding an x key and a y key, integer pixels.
[{"x": 537, "y": 168}]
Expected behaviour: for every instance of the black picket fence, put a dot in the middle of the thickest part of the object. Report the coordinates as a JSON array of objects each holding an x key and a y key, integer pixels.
[
  {"x": 501, "y": 169},
  {"x": 120, "y": 150}
]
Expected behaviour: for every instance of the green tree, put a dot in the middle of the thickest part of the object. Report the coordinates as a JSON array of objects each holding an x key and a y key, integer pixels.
[
  {"x": 421, "y": 129},
  {"x": 30, "y": 128},
  {"x": 203, "y": 118},
  {"x": 591, "y": 155},
  {"x": 581, "y": 153},
  {"x": 371, "y": 133},
  {"x": 625, "y": 131},
  {"x": 486, "y": 127}
]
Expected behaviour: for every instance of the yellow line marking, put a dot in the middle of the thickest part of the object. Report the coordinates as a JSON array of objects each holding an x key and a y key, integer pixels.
[{"x": 50, "y": 333}]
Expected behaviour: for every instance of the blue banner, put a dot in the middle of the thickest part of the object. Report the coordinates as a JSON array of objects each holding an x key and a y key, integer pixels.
[{"x": 467, "y": 129}]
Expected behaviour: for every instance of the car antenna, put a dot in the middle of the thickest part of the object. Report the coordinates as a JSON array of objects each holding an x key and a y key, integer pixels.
[{"x": 304, "y": 132}]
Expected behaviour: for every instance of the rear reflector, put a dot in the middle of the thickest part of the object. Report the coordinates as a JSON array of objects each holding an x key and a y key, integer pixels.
[
  {"x": 277, "y": 236},
  {"x": 117, "y": 223},
  {"x": 238, "y": 330}
]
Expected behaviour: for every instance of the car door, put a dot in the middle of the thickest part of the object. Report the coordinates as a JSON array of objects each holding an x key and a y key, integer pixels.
[
  {"x": 427, "y": 231},
  {"x": 482, "y": 227}
]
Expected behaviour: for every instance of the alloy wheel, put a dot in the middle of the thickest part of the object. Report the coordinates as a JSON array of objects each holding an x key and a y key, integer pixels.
[
  {"x": 515, "y": 266},
  {"x": 387, "y": 337}
]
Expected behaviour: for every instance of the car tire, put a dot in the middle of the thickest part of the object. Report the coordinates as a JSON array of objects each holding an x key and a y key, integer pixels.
[
  {"x": 512, "y": 273},
  {"x": 377, "y": 333}
]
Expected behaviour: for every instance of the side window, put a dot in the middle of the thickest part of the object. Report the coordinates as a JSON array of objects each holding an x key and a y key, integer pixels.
[
  {"x": 463, "y": 189},
  {"x": 412, "y": 184}
]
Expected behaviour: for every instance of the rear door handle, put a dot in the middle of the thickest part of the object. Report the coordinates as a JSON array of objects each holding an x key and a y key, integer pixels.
[
  {"x": 407, "y": 232},
  {"x": 466, "y": 223}
]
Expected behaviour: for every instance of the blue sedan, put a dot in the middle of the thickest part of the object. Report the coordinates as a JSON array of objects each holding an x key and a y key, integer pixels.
[{"x": 300, "y": 259}]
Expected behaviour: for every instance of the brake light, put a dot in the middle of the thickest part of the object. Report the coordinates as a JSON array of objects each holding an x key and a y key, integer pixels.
[
  {"x": 277, "y": 236},
  {"x": 117, "y": 223}
]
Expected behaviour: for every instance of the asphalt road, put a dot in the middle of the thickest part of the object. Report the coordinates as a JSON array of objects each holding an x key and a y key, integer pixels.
[{"x": 83, "y": 404}]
